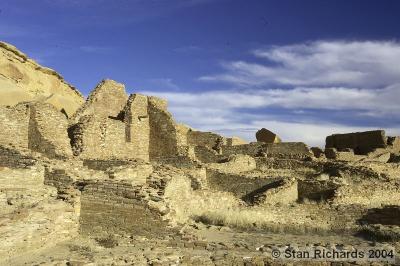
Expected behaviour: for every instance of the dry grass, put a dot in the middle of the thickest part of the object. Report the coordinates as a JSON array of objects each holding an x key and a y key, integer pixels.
[{"x": 248, "y": 219}]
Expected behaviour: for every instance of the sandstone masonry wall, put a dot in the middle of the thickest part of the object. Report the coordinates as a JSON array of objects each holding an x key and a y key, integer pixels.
[
  {"x": 108, "y": 99},
  {"x": 239, "y": 185},
  {"x": 360, "y": 142},
  {"x": 14, "y": 159},
  {"x": 48, "y": 131},
  {"x": 292, "y": 150},
  {"x": 206, "y": 139},
  {"x": 163, "y": 133},
  {"x": 14, "y": 125},
  {"x": 117, "y": 207},
  {"x": 101, "y": 138},
  {"x": 137, "y": 125}
]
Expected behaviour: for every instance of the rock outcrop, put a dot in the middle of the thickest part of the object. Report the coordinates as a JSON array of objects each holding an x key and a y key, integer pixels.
[
  {"x": 22, "y": 79},
  {"x": 264, "y": 135}
]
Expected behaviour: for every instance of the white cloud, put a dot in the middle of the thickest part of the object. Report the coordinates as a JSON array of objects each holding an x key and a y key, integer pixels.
[
  {"x": 360, "y": 78},
  {"x": 356, "y": 64},
  {"x": 380, "y": 101}
]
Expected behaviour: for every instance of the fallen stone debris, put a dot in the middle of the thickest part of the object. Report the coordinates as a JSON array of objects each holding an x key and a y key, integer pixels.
[{"x": 114, "y": 180}]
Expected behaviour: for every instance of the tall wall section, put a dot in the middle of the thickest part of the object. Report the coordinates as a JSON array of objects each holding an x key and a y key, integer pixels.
[
  {"x": 163, "y": 132},
  {"x": 48, "y": 131},
  {"x": 137, "y": 125}
]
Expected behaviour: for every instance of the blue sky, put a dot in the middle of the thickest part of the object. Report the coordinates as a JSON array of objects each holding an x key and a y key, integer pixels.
[{"x": 304, "y": 69}]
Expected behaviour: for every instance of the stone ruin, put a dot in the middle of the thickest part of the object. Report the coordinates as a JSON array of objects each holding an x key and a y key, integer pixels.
[{"x": 120, "y": 174}]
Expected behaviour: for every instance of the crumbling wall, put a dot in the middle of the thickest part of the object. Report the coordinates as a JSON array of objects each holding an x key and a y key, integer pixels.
[
  {"x": 14, "y": 125},
  {"x": 285, "y": 193},
  {"x": 206, "y": 139},
  {"x": 235, "y": 164},
  {"x": 239, "y": 185},
  {"x": 14, "y": 159},
  {"x": 360, "y": 142},
  {"x": 182, "y": 134},
  {"x": 108, "y": 99},
  {"x": 137, "y": 125},
  {"x": 317, "y": 190},
  {"x": 103, "y": 165},
  {"x": 163, "y": 133},
  {"x": 235, "y": 141},
  {"x": 206, "y": 155},
  {"x": 293, "y": 150},
  {"x": 48, "y": 131},
  {"x": 371, "y": 193}
]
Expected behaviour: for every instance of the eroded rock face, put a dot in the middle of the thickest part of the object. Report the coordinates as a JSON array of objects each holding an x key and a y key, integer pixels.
[
  {"x": 22, "y": 79},
  {"x": 264, "y": 135}
]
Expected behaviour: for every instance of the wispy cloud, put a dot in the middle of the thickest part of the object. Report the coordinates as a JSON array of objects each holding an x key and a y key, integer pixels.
[{"x": 357, "y": 64}]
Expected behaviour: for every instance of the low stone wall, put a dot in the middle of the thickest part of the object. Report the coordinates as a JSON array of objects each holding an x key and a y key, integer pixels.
[
  {"x": 103, "y": 165},
  {"x": 206, "y": 139},
  {"x": 117, "y": 207},
  {"x": 265, "y": 164},
  {"x": 292, "y": 150},
  {"x": 206, "y": 155},
  {"x": 369, "y": 193},
  {"x": 14, "y": 159},
  {"x": 388, "y": 215},
  {"x": 286, "y": 193},
  {"x": 235, "y": 164},
  {"x": 58, "y": 178},
  {"x": 317, "y": 190},
  {"x": 239, "y": 185}
]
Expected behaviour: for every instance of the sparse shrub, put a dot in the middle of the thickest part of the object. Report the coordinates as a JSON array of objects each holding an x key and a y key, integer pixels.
[{"x": 108, "y": 242}]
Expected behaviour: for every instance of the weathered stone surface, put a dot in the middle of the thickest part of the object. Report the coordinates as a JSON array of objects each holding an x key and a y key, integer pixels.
[
  {"x": 360, "y": 142},
  {"x": 235, "y": 141},
  {"x": 317, "y": 151},
  {"x": 278, "y": 150},
  {"x": 37, "y": 126},
  {"x": 137, "y": 125},
  {"x": 163, "y": 132},
  {"x": 107, "y": 100},
  {"x": 394, "y": 143},
  {"x": 14, "y": 123},
  {"x": 48, "y": 131},
  {"x": 206, "y": 139},
  {"x": 285, "y": 193},
  {"x": 264, "y": 135},
  {"x": 235, "y": 164},
  {"x": 347, "y": 155},
  {"x": 22, "y": 79}
]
